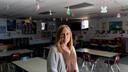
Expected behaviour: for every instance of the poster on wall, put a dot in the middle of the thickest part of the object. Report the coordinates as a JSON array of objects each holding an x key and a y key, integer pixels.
[
  {"x": 51, "y": 26},
  {"x": 11, "y": 25},
  {"x": 29, "y": 28},
  {"x": 2, "y": 29},
  {"x": 104, "y": 25},
  {"x": 115, "y": 25}
]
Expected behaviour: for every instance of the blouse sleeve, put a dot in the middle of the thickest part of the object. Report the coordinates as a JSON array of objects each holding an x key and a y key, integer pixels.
[{"x": 52, "y": 61}]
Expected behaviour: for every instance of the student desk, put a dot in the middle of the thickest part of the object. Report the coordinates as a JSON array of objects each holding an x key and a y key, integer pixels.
[
  {"x": 98, "y": 52},
  {"x": 105, "y": 54},
  {"x": 33, "y": 65},
  {"x": 21, "y": 51}
]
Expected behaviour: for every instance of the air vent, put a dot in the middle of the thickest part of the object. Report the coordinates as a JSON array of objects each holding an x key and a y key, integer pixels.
[
  {"x": 81, "y": 5},
  {"x": 46, "y": 13},
  {"x": 21, "y": 17}
]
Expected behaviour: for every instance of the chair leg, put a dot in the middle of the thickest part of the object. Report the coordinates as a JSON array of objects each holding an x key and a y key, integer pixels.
[
  {"x": 87, "y": 68},
  {"x": 92, "y": 68},
  {"x": 13, "y": 68},
  {"x": 118, "y": 67},
  {"x": 1, "y": 68},
  {"x": 112, "y": 69},
  {"x": 83, "y": 64},
  {"x": 108, "y": 67},
  {"x": 8, "y": 67}
]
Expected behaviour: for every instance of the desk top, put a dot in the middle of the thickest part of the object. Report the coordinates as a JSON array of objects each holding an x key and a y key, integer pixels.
[
  {"x": 33, "y": 65},
  {"x": 98, "y": 52},
  {"x": 47, "y": 47},
  {"x": 8, "y": 53}
]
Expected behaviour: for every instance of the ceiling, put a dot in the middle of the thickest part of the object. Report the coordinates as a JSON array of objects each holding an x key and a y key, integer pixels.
[{"x": 28, "y": 8}]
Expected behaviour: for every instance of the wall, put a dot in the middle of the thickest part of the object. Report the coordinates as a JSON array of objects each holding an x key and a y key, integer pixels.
[
  {"x": 97, "y": 25},
  {"x": 89, "y": 33},
  {"x": 34, "y": 38}
]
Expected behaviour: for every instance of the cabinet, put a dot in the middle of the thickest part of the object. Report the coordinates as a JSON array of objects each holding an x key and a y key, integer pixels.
[
  {"x": 115, "y": 44},
  {"x": 126, "y": 44}
]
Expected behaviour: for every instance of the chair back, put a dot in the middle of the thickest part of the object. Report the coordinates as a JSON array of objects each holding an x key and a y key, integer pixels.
[
  {"x": 116, "y": 59},
  {"x": 15, "y": 56},
  {"x": 87, "y": 57}
]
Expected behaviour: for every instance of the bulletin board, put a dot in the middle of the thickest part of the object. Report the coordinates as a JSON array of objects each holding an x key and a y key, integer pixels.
[
  {"x": 11, "y": 25},
  {"x": 115, "y": 25},
  {"x": 2, "y": 29}
]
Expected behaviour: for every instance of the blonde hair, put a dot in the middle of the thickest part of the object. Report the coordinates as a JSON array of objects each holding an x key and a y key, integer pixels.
[{"x": 70, "y": 43}]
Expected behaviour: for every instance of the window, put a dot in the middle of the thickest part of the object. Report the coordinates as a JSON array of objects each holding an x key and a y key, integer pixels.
[
  {"x": 42, "y": 26},
  {"x": 85, "y": 24}
]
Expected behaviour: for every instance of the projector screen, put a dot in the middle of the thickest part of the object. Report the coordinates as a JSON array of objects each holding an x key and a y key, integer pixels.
[{"x": 84, "y": 24}]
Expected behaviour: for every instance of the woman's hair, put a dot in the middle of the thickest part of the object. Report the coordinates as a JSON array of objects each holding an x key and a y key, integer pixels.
[{"x": 70, "y": 43}]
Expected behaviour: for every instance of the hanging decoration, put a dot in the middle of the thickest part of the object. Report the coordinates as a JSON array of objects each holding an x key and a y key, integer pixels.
[
  {"x": 37, "y": 5},
  {"x": 50, "y": 12},
  {"x": 118, "y": 15},
  {"x": 68, "y": 11},
  {"x": 28, "y": 20},
  {"x": 119, "y": 8},
  {"x": 104, "y": 9}
]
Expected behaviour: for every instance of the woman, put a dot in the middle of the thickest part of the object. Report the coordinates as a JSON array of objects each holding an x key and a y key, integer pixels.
[{"x": 62, "y": 56}]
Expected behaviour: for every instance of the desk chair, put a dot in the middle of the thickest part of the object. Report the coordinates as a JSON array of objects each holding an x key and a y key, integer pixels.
[
  {"x": 15, "y": 56},
  {"x": 112, "y": 62},
  {"x": 7, "y": 67},
  {"x": 87, "y": 59}
]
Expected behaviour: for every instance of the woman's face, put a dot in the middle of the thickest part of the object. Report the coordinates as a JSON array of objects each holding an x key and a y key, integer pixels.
[{"x": 65, "y": 36}]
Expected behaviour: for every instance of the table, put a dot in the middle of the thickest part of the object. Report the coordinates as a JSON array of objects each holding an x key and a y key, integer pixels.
[
  {"x": 33, "y": 65},
  {"x": 10, "y": 52},
  {"x": 98, "y": 52},
  {"x": 44, "y": 51},
  {"x": 106, "y": 54},
  {"x": 3, "y": 47}
]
